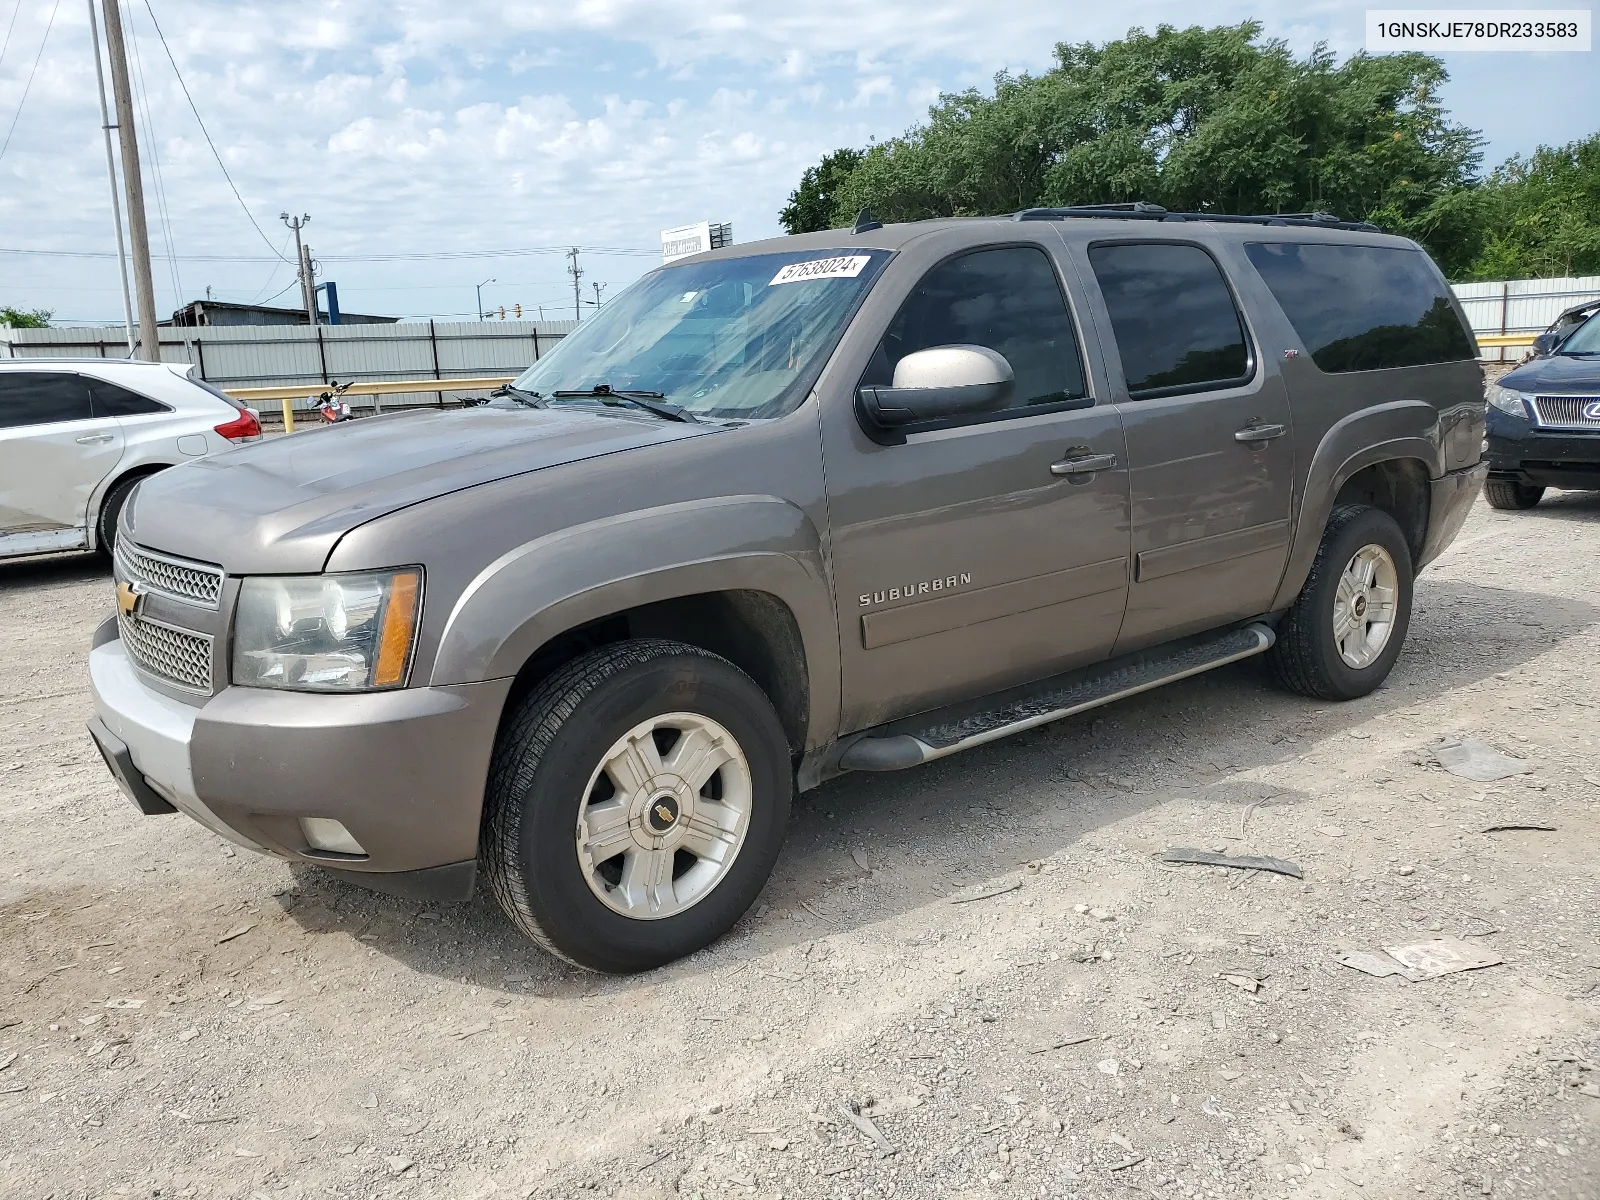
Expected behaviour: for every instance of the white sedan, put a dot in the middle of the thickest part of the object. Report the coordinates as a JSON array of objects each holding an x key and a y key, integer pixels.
[{"x": 77, "y": 435}]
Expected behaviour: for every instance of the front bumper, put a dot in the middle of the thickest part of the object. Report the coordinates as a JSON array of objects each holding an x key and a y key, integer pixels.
[
  {"x": 1450, "y": 499},
  {"x": 403, "y": 771},
  {"x": 1530, "y": 454}
]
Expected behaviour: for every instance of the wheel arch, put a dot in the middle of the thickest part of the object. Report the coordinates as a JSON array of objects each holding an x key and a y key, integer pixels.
[
  {"x": 741, "y": 577},
  {"x": 1385, "y": 456},
  {"x": 135, "y": 472}
]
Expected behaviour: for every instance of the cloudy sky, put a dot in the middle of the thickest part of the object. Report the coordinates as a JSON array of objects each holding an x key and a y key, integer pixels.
[{"x": 427, "y": 127}]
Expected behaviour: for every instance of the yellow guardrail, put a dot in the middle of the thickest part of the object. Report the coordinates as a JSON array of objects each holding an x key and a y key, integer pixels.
[
  {"x": 285, "y": 395},
  {"x": 1505, "y": 339}
]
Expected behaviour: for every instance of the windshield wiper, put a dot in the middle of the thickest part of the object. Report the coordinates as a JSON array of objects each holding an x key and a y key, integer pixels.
[
  {"x": 638, "y": 397},
  {"x": 525, "y": 398},
  {"x": 1577, "y": 353}
]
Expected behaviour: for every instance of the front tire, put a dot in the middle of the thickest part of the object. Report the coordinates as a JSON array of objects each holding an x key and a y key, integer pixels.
[
  {"x": 637, "y": 803},
  {"x": 1509, "y": 494},
  {"x": 1346, "y": 628}
]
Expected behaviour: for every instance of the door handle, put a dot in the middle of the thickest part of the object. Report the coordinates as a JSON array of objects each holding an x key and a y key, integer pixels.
[
  {"x": 1260, "y": 433},
  {"x": 1087, "y": 464},
  {"x": 94, "y": 439}
]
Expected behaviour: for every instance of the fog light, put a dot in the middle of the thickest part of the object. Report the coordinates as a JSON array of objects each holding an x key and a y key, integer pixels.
[{"x": 324, "y": 833}]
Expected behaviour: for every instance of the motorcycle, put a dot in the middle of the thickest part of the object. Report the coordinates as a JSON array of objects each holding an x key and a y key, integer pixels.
[{"x": 331, "y": 405}]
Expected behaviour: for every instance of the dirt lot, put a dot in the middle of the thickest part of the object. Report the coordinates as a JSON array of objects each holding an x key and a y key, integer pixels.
[{"x": 180, "y": 1019}]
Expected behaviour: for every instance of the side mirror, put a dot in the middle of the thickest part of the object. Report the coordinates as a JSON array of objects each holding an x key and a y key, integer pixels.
[
  {"x": 935, "y": 385},
  {"x": 1546, "y": 342}
]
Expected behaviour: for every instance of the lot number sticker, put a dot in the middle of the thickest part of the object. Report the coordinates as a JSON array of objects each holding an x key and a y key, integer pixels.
[{"x": 845, "y": 267}]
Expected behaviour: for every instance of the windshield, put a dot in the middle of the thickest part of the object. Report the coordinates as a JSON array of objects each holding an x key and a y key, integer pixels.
[
  {"x": 735, "y": 337},
  {"x": 1585, "y": 339}
]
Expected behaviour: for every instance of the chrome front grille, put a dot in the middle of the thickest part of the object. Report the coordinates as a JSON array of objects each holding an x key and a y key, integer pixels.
[
  {"x": 1567, "y": 412},
  {"x": 177, "y": 656},
  {"x": 194, "y": 582}
]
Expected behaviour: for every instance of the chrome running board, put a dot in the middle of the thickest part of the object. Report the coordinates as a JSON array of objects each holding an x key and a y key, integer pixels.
[{"x": 904, "y": 744}]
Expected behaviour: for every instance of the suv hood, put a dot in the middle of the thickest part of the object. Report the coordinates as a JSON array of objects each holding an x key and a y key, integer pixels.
[
  {"x": 1555, "y": 376},
  {"x": 281, "y": 505}
]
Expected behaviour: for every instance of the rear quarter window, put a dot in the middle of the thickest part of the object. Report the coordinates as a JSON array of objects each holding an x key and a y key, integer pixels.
[
  {"x": 1363, "y": 308},
  {"x": 111, "y": 400}
]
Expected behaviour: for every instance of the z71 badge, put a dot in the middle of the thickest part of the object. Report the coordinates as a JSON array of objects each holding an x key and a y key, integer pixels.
[{"x": 926, "y": 588}]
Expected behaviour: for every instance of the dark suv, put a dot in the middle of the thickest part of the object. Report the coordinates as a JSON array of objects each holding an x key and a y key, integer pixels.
[
  {"x": 1544, "y": 423},
  {"x": 849, "y": 501}
]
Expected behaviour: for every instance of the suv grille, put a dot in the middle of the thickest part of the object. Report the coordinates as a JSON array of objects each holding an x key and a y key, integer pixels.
[
  {"x": 179, "y": 657},
  {"x": 195, "y": 582},
  {"x": 1567, "y": 412}
]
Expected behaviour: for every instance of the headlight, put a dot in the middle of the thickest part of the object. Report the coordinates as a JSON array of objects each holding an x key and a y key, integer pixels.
[
  {"x": 1508, "y": 401},
  {"x": 327, "y": 633}
]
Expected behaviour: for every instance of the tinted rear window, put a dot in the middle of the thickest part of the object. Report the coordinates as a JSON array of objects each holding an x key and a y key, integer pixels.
[
  {"x": 42, "y": 398},
  {"x": 1363, "y": 308},
  {"x": 1173, "y": 316},
  {"x": 110, "y": 400}
]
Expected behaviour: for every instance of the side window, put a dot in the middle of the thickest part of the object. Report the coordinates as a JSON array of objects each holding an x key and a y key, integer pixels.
[
  {"x": 1362, "y": 308},
  {"x": 113, "y": 401},
  {"x": 1174, "y": 319},
  {"x": 42, "y": 398},
  {"x": 1006, "y": 299}
]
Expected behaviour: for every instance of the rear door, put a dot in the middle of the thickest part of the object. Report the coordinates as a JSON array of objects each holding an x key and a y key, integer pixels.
[
  {"x": 973, "y": 556},
  {"x": 1210, "y": 451},
  {"x": 54, "y": 453}
]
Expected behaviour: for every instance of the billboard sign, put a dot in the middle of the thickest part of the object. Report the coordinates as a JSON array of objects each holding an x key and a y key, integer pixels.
[{"x": 695, "y": 239}]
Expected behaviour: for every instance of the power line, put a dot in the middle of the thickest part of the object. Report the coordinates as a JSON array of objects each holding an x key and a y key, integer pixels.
[
  {"x": 6, "y": 145},
  {"x": 5, "y": 45},
  {"x": 425, "y": 256},
  {"x": 205, "y": 131}
]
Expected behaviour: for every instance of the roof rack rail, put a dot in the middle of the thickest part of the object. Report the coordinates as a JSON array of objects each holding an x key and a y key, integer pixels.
[{"x": 1139, "y": 210}]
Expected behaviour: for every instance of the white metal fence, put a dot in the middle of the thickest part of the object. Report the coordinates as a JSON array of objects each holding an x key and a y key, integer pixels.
[
  {"x": 290, "y": 355},
  {"x": 1521, "y": 306}
]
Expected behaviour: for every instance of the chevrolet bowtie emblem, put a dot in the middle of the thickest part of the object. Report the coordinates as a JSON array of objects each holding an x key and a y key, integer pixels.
[
  {"x": 664, "y": 814},
  {"x": 128, "y": 598}
]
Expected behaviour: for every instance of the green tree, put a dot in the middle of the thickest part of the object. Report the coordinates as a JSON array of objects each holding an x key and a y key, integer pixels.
[
  {"x": 811, "y": 205},
  {"x": 1540, "y": 216},
  {"x": 25, "y": 318},
  {"x": 1195, "y": 119}
]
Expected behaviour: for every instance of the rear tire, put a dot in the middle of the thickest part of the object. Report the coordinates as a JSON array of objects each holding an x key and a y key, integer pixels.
[
  {"x": 637, "y": 802},
  {"x": 111, "y": 512},
  {"x": 1346, "y": 628},
  {"x": 1509, "y": 494}
]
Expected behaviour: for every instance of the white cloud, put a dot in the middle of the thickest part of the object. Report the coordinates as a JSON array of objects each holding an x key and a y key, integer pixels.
[{"x": 426, "y": 125}]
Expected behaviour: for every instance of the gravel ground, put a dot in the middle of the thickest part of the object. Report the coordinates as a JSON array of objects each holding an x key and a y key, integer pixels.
[{"x": 180, "y": 1019}]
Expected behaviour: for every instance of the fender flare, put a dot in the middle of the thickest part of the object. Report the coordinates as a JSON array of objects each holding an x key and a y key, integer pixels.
[
  {"x": 591, "y": 570},
  {"x": 1401, "y": 429}
]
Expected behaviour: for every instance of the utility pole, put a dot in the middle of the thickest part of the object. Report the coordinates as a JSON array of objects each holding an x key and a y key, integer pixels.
[
  {"x": 133, "y": 184},
  {"x": 598, "y": 288},
  {"x": 577, "y": 291},
  {"x": 111, "y": 172},
  {"x": 302, "y": 257},
  {"x": 481, "y": 286}
]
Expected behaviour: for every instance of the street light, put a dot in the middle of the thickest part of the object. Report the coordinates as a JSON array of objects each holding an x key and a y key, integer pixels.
[{"x": 481, "y": 286}]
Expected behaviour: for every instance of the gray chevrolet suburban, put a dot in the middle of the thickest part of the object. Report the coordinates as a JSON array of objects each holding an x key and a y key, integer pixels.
[{"x": 848, "y": 501}]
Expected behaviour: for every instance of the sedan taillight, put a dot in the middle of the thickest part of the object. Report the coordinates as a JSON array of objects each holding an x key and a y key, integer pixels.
[{"x": 243, "y": 428}]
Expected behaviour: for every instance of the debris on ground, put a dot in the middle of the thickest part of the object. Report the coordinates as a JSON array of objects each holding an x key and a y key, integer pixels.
[
  {"x": 1243, "y": 862},
  {"x": 987, "y": 893},
  {"x": 1518, "y": 827},
  {"x": 1478, "y": 761},
  {"x": 1423, "y": 960}
]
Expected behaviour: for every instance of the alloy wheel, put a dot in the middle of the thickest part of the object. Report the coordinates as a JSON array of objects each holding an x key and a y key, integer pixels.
[{"x": 664, "y": 816}]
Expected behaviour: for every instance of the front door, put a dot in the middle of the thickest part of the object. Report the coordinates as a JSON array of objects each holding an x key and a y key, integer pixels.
[
  {"x": 54, "y": 452},
  {"x": 979, "y": 554},
  {"x": 1210, "y": 445}
]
